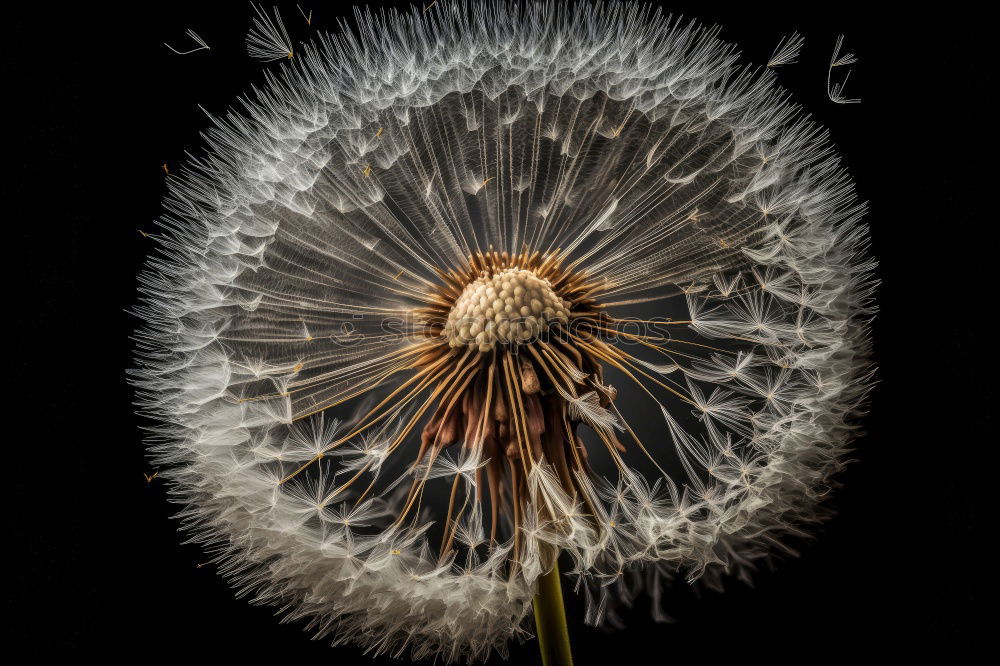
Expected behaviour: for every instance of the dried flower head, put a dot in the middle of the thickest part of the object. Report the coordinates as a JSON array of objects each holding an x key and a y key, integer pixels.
[{"x": 390, "y": 300}]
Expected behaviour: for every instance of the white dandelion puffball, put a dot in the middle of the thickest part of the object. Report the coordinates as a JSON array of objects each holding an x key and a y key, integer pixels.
[{"x": 392, "y": 296}]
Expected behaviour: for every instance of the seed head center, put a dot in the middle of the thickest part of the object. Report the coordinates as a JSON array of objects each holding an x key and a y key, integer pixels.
[{"x": 513, "y": 306}]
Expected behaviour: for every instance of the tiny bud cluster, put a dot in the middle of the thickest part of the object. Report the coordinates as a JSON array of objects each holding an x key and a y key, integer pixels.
[{"x": 513, "y": 306}]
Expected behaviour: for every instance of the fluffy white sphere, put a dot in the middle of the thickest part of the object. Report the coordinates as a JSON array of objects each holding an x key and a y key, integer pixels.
[{"x": 372, "y": 163}]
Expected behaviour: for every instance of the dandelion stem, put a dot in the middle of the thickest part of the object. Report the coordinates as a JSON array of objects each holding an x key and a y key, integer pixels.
[{"x": 550, "y": 621}]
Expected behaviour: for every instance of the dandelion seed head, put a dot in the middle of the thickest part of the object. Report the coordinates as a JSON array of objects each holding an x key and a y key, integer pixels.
[{"x": 370, "y": 440}]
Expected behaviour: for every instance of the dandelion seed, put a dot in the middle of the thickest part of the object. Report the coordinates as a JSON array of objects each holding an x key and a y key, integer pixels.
[
  {"x": 195, "y": 38},
  {"x": 838, "y": 60},
  {"x": 308, "y": 17},
  {"x": 399, "y": 462},
  {"x": 268, "y": 40},
  {"x": 835, "y": 91},
  {"x": 787, "y": 51}
]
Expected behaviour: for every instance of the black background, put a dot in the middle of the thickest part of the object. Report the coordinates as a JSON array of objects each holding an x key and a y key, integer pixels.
[{"x": 95, "y": 105}]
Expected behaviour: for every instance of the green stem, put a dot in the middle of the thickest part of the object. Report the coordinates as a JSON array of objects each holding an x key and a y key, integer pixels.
[{"x": 550, "y": 621}]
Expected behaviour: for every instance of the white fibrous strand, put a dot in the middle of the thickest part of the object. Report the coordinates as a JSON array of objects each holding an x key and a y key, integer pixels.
[
  {"x": 834, "y": 89},
  {"x": 268, "y": 39},
  {"x": 787, "y": 51},
  {"x": 390, "y": 300},
  {"x": 193, "y": 36}
]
